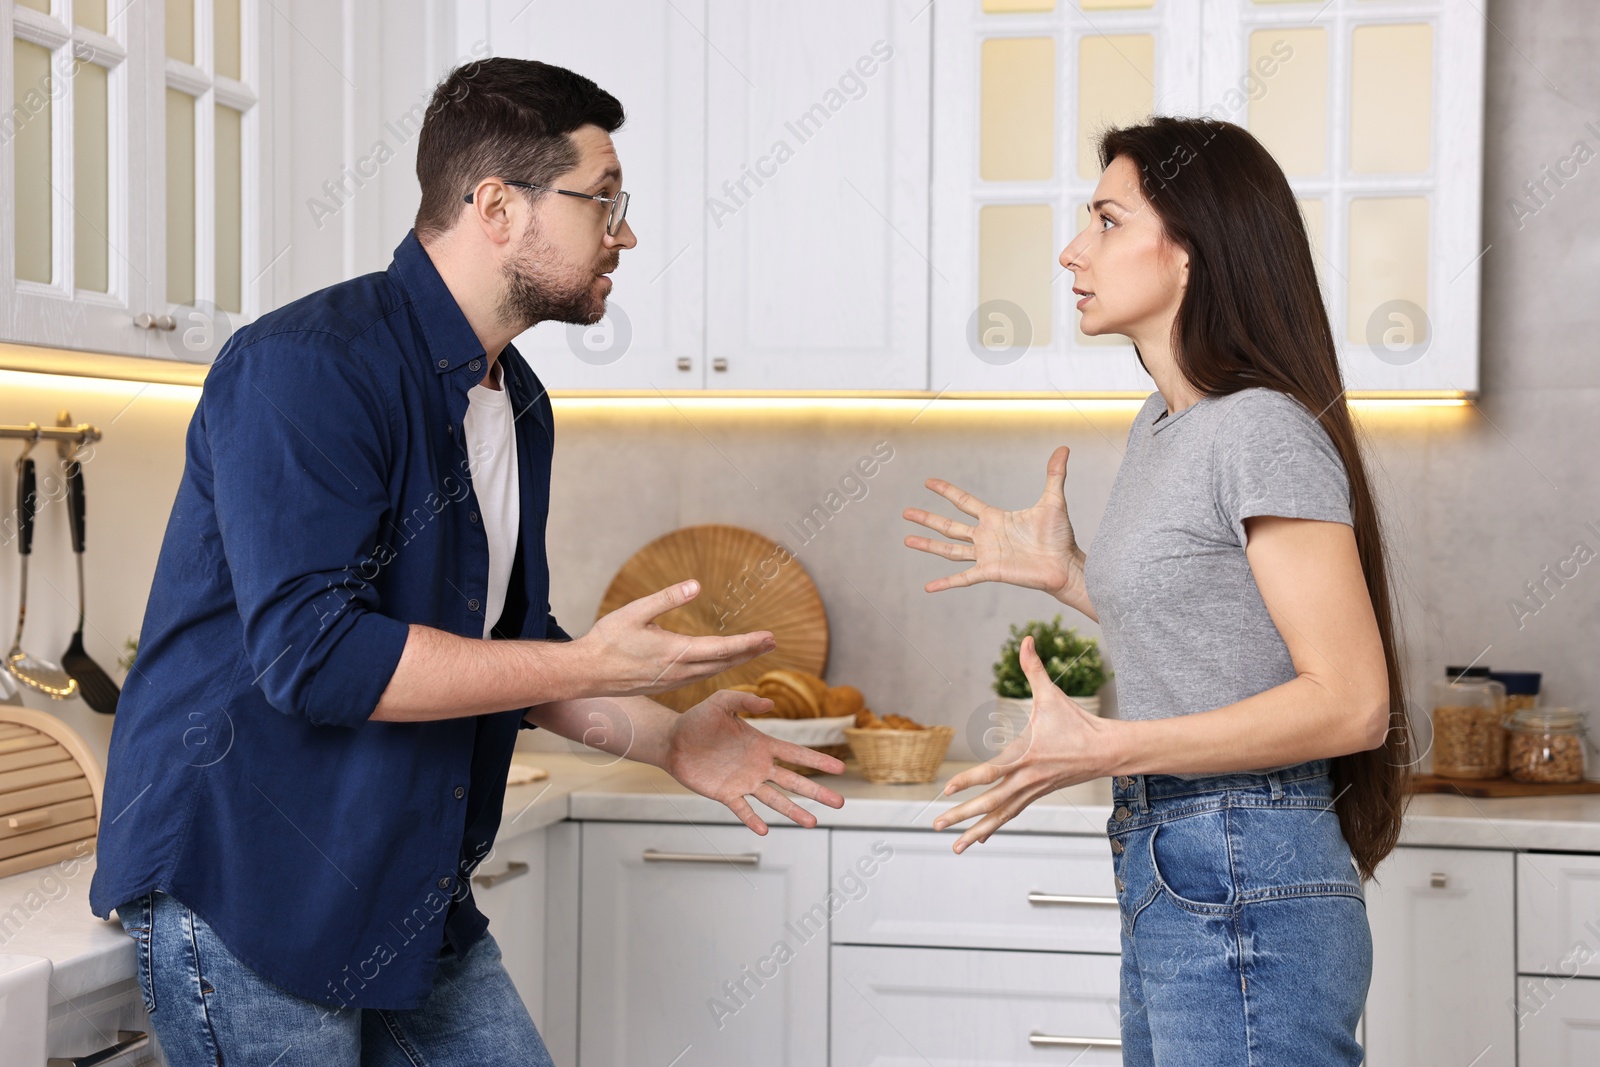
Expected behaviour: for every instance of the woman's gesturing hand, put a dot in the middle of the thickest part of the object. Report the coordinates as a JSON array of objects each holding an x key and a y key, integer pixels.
[
  {"x": 1062, "y": 745},
  {"x": 1033, "y": 548}
]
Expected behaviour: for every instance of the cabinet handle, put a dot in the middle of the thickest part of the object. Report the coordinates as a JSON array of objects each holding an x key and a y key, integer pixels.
[
  {"x": 719, "y": 364},
  {"x": 743, "y": 859},
  {"x": 1065, "y": 898},
  {"x": 685, "y": 363},
  {"x": 1438, "y": 881},
  {"x": 127, "y": 1041},
  {"x": 514, "y": 869},
  {"x": 1038, "y": 1040}
]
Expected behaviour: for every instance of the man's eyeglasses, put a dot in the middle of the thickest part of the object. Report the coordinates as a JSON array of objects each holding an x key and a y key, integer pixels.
[{"x": 617, "y": 205}]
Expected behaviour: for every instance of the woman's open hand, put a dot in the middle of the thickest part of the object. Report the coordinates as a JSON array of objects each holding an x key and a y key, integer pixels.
[
  {"x": 1033, "y": 548},
  {"x": 1062, "y": 745}
]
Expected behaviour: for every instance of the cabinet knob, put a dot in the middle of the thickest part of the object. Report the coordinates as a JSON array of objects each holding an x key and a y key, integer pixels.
[
  {"x": 144, "y": 320},
  {"x": 1438, "y": 881},
  {"x": 685, "y": 363},
  {"x": 719, "y": 364},
  {"x": 166, "y": 322}
]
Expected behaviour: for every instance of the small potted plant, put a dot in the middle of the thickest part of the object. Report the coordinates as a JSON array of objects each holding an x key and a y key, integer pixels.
[{"x": 1074, "y": 662}]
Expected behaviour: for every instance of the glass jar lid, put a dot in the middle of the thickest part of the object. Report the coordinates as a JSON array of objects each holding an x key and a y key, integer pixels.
[{"x": 1560, "y": 720}]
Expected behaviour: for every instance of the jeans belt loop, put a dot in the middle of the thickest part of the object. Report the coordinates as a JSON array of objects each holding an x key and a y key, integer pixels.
[
  {"x": 1275, "y": 780},
  {"x": 1141, "y": 794}
]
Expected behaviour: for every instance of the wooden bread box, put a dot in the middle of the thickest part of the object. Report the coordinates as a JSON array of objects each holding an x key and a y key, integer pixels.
[{"x": 50, "y": 789}]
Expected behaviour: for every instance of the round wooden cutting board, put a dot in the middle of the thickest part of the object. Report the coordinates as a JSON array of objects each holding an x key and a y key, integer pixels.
[{"x": 747, "y": 583}]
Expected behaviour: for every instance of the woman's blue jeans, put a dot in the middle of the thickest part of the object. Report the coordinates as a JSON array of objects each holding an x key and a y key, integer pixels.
[
  {"x": 1244, "y": 929},
  {"x": 207, "y": 1008}
]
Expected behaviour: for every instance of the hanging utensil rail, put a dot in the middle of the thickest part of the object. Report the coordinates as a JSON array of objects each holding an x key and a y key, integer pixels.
[{"x": 80, "y": 434}]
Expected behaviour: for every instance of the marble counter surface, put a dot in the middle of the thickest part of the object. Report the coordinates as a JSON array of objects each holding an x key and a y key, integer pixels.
[{"x": 45, "y": 913}]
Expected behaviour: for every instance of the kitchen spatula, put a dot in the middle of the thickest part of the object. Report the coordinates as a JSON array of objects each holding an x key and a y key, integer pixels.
[{"x": 94, "y": 685}]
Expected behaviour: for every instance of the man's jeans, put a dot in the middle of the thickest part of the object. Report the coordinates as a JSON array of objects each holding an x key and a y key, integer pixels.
[{"x": 207, "y": 1008}]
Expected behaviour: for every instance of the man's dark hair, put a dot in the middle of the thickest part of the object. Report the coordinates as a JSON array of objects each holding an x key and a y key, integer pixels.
[{"x": 506, "y": 118}]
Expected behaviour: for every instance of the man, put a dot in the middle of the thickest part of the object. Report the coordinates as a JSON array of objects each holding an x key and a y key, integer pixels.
[{"x": 349, "y": 623}]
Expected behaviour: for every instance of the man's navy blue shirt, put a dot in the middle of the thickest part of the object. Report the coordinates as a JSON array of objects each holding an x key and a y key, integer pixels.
[{"x": 325, "y": 506}]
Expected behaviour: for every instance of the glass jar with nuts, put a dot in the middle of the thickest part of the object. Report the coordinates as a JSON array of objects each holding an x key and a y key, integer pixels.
[
  {"x": 1547, "y": 745},
  {"x": 1469, "y": 737}
]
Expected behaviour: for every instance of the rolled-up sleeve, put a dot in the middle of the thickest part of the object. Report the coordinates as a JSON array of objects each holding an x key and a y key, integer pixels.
[{"x": 299, "y": 436}]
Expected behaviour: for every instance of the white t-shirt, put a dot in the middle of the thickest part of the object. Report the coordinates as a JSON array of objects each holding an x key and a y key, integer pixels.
[{"x": 492, "y": 461}]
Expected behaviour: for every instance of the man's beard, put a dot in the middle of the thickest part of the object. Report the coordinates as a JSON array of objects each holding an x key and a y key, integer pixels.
[{"x": 537, "y": 293}]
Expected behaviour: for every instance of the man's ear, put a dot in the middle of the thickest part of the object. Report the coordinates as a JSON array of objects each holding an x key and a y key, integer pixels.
[{"x": 491, "y": 210}]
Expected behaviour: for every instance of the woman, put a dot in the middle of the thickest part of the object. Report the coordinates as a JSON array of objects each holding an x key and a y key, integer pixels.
[{"x": 1238, "y": 578}]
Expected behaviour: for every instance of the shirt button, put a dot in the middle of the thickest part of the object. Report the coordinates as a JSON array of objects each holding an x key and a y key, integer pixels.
[
  {"x": 1121, "y": 814},
  {"x": 444, "y": 364},
  {"x": 472, "y": 605},
  {"x": 472, "y": 516},
  {"x": 460, "y": 792},
  {"x": 444, "y": 883},
  {"x": 476, "y": 364}
]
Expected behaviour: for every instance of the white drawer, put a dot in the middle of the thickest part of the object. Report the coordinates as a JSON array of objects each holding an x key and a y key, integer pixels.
[
  {"x": 94, "y": 1022},
  {"x": 1016, "y": 891},
  {"x": 898, "y": 1007},
  {"x": 1558, "y": 1022},
  {"x": 1558, "y": 914}
]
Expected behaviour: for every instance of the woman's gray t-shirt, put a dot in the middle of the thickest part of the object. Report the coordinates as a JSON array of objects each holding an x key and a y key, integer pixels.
[{"x": 1184, "y": 625}]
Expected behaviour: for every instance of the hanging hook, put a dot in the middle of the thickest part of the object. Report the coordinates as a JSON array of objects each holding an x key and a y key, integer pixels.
[{"x": 27, "y": 448}]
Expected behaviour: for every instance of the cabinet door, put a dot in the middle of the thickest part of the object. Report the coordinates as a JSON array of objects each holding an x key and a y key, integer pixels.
[
  {"x": 704, "y": 945},
  {"x": 73, "y": 222},
  {"x": 1443, "y": 974},
  {"x": 893, "y": 1007},
  {"x": 210, "y": 197},
  {"x": 816, "y": 196},
  {"x": 1558, "y": 914},
  {"x": 651, "y": 57},
  {"x": 509, "y": 887},
  {"x": 1559, "y": 1020}
]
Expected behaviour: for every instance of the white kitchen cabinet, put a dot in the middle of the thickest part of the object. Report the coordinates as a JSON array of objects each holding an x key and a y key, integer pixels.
[
  {"x": 1559, "y": 1022},
  {"x": 1443, "y": 975},
  {"x": 101, "y": 1020},
  {"x": 1558, "y": 914},
  {"x": 1020, "y": 891},
  {"x": 652, "y": 57},
  {"x": 893, "y": 1007},
  {"x": 703, "y": 946},
  {"x": 816, "y": 195},
  {"x": 509, "y": 887},
  {"x": 141, "y": 199}
]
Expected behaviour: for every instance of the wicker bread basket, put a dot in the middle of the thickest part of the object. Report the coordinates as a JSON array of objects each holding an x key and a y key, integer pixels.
[
  {"x": 900, "y": 755},
  {"x": 49, "y": 792}
]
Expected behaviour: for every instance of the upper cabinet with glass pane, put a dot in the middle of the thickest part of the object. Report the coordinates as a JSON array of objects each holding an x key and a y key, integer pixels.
[
  {"x": 138, "y": 200},
  {"x": 1374, "y": 111}
]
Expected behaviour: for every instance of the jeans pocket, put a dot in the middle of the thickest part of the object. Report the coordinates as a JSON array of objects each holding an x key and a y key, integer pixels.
[
  {"x": 135, "y": 916},
  {"x": 1191, "y": 860}
]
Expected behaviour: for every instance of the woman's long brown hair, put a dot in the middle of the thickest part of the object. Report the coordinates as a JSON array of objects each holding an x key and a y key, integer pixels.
[{"x": 1252, "y": 315}]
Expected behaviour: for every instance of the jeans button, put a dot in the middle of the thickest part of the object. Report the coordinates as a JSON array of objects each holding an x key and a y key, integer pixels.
[
  {"x": 1116, "y": 846},
  {"x": 1124, "y": 781},
  {"x": 1122, "y": 815},
  {"x": 1120, "y": 886}
]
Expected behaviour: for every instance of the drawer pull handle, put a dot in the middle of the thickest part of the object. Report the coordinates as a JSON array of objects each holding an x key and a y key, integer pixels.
[
  {"x": 127, "y": 1041},
  {"x": 1438, "y": 881},
  {"x": 1066, "y": 898},
  {"x": 743, "y": 859},
  {"x": 1038, "y": 1040},
  {"x": 29, "y": 819},
  {"x": 514, "y": 869}
]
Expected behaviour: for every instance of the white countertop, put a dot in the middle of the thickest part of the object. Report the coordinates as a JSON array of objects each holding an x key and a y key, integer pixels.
[{"x": 45, "y": 913}]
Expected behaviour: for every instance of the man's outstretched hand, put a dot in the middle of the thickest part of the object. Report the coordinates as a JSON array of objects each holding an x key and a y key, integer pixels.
[{"x": 718, "y": 755}]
